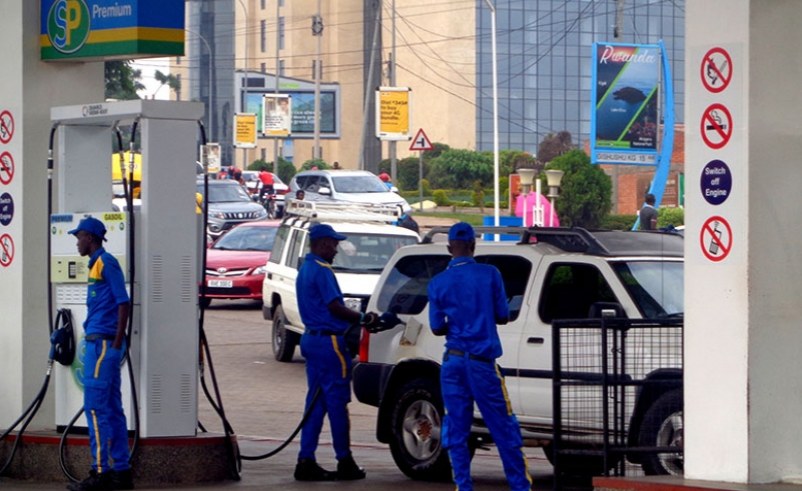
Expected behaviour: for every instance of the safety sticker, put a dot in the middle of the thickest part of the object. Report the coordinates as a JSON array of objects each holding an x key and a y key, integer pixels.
[
  {"x": 6, "y": 209},
  {"x": 716, "y": 126},
  {"x": 6, "y": 250},
  {"x": 716, "y": 238},
  {"x": 716, "y": 70},
  {"x": 6, "y": 168},
  {"x": 6, "y": 126}
]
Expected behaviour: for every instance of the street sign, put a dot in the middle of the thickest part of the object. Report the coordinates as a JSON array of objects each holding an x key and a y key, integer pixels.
[
  {"x": 421, "y": 142},
  {"x": 245, "y": 130}
]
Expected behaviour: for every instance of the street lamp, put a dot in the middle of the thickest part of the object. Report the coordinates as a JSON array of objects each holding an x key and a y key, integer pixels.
[
  {"x": 244, "y": 105},
  {"x": 496, "y": 211},
  {"x": 553, "y": 178},
  {"x": 211, "y": 80}
]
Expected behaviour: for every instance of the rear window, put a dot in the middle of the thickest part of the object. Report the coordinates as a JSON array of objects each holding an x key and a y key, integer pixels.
[{"x": 278, "y": 244}]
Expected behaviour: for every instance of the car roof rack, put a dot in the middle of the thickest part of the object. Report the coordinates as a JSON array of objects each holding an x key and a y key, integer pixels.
[
  {"x": 343, "y": 212},
  {"x": 443, "y": 229}
]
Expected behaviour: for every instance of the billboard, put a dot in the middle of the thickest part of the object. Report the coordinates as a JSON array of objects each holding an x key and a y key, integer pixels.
[
  {"x": 624, "y": 116},
  {"x": 392, "y": 113},
  {"x": 302, "y": 115},
  {"x": 277, "y": 113},
  {"x": 110, "y": 29}
]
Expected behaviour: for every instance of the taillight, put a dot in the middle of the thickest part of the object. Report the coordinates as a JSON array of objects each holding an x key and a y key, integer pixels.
[{"x": 364, "y": 345}]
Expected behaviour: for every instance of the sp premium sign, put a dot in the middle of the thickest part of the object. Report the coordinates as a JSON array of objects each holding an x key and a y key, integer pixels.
[{"x": 110, "y": 29}]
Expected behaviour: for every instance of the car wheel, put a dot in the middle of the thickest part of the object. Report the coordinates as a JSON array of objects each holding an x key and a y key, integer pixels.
[
  {"x": 417, "y": 421},
  {"x": 283, "y": 341},
  {"x": 663, "y": 427}
]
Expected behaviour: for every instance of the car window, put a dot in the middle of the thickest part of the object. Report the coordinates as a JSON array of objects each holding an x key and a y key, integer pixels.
[
  {"x": 515, "y": 271},
  {"x": 405, "y": 289},
  {"x": 248, "y": 239},
  {"x": 295, "y": 253},
  {"x": 323, "y": 182},
  {"x": 656, "y": 287},
  {"x": 226, "y": 193},
  {"x": 368, "y": 253},
  {"x": 279, "y": 244},
  {"x": 359, "y": 184},
  {"x": 571, "y": 289}
]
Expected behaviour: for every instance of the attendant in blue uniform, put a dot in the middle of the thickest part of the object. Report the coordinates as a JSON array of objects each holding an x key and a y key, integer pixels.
[
  {"x": 328, "y": 362},
  {"x": 466, "y": 302},
  {"x": 107, "y": 310}
]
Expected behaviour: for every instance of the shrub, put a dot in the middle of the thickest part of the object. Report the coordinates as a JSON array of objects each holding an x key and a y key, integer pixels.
[
  {"x": 440, "y": 197},
  {"x": 670, "y": 216},
  {"x": 618, "y": 222}
]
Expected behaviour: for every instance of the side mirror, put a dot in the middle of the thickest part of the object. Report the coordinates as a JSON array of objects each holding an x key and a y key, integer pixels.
[
  {"x": 394, "y": 189},
  {"x": 324, "y": 191}
]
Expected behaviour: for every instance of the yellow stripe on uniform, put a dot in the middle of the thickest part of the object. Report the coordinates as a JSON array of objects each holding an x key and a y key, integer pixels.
[
  {"x": 98, "y": 443},
  {"x": 339, "y": 355},
  {"x": 504, "y": 391},
  {"x": 100, "y": 359},
  {"x": 96, "y": 273},
  {"x": 324, "y": 264}
]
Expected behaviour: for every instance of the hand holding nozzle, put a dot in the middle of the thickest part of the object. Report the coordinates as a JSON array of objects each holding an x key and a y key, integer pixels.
[{"x": 387, "y": 320}]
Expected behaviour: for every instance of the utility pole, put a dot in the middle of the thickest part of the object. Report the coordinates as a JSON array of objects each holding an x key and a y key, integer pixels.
[
  {"x": 244, "y": 107},
  {"x": 275, "y": 88},
  {"x": 393, "y": 164},
  {"x": 618, "y": 31},
  {"x": 317, "y": 30}
]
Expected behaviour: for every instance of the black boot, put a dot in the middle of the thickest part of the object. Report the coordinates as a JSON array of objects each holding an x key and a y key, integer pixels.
[
  {"x": 122, "y": 480},
  {"x": 95, "y": 482},
  {"x": 347, "y": 470},
  {"x": 308, "y": 470}
]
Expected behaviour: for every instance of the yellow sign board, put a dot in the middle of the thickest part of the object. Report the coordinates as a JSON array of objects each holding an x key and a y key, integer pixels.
[
  {"x": 393, "y": 115},
  {"x": 245, "y": 130}
]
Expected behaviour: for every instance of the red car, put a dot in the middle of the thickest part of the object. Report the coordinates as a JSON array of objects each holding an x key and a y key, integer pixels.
[{"x": 235, "y": 263}]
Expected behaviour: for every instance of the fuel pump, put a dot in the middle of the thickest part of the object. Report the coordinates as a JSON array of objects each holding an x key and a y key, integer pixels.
[{"x": 164, "y": 336}]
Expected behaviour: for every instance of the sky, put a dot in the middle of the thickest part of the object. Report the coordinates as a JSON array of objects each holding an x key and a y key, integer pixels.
[{"x": 149, "y": 67}]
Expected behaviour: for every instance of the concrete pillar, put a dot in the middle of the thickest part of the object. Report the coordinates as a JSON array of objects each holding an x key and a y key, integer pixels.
[
  {"x": 28, "y": 88},
  {"x": 743, "y": 372}
]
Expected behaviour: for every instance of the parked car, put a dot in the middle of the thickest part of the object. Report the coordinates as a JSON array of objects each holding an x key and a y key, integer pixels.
[
  {"x": 371, "y": 241},
  {"x": 235, "y": 263},
  {"x": 349, "y": 186},
  {"x": 229, "y": 205},
  {"x": 565, "y": 274}
]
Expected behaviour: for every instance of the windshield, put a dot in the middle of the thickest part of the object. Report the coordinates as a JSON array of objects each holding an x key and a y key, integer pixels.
[
  {"x": 358, "y": 184},
  {"x": 656, "y": 287},
  {"x": 362, "y": 253},
  {"x": 248, "y": 239},
  {"x": 226, "y": 193}
]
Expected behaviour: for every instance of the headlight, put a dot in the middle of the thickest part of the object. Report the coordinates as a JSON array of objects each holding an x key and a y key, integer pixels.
[
  {"x": 354, "y": 303},
  {"x": 260, "y": 270},
  {"x": 262, "y": 213},
  {"x": 217, "y": 214}
]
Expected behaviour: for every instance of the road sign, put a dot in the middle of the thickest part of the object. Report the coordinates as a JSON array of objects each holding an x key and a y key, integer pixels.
[
  {"x": 6, "y": 168},
  {"x": 6, "y": 126},
  {"x": 421, "y": 142},
  {"x": 6, "y": 250},
  {"x": 245, "y": 130},
  {"x": 716, "y": 182},
  {"x": 716, "y": 238},
  {"x": 716, "y": 126},
  {"x": 716, "y": 70}
]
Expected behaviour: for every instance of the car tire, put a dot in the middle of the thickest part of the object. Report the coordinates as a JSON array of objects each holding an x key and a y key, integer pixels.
[
  {"x": 417, "y": 421},
  {"x": 663, "y": 427},
  {"x": 283, "y": 340}
]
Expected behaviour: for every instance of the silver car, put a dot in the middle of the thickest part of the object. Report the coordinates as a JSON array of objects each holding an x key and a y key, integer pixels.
[{"x": 350, "y": 186}]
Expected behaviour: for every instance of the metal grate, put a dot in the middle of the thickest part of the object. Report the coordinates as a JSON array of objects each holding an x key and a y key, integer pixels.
[{"x": 614, "y": 382}]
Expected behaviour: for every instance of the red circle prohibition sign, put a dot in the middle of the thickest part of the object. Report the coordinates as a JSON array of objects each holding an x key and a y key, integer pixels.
[
  {"x": 716, "y": 126},
  {"x": 716, "y": 70},
  {"x": 715, "y": 244},
  {"x": 6, "y": 250},
  {"x": 6, "y": 126},
  {"x": 6, "y": 168}
]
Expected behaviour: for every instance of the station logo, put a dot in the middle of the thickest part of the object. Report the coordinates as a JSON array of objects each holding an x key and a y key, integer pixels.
[{"x": 68, "y": 25}]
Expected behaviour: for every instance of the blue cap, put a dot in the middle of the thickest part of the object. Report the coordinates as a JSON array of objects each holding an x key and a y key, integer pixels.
[
  {"x": 321, "y": 231},
  {"x": 461, "y": 231},
  {"x": 91, "y": 225}
]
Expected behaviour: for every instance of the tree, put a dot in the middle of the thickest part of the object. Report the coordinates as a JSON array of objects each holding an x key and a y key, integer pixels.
[
  {"x": 122, "y": 81},
  {"x": 584, "y": 192},
  {"x": 458, "y": 169},
  {"x": 553, "y": 146},
  {"x": 169, "y": 80}
]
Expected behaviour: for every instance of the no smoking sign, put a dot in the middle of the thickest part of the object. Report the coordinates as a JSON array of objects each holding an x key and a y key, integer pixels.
[{"x": 716, "y": 126}]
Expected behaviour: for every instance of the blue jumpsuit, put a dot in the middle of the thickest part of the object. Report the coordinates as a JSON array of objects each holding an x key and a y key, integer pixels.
[
  {"x": 108, "y": 431},
  {"x": 465, "y": 300},
  {"x": 328, "y": 363}
]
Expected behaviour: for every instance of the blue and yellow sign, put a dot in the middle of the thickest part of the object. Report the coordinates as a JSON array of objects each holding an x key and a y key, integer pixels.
[{"x": 111, "y": 29}]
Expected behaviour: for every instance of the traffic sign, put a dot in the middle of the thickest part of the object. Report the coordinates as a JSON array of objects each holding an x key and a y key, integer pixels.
[
  {"x": 716, "y": 238},
  {"x": 716, "y": 70},
  {"x": 6, "y": 126},
  {"x": 421, "y": 142},
  {"x": 6, "y": 168},
  {"x": 6, "y": 250},
  {"x": 716, "y": 126}
]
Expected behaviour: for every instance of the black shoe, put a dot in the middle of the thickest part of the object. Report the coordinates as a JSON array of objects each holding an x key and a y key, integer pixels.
[
  {"x": 347, "y": 470},
  {"x": 308, "y": 470},
  {"x": 95, "y": 482},
  {"x": 122, "y": 480}
]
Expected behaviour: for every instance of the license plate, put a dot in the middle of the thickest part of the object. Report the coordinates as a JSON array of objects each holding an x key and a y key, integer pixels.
[{"x": 220, "y": 283}]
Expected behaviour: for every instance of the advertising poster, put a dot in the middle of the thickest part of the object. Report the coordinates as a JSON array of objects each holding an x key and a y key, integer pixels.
[
  {"x": 277, "y": 115},
  {"x": 624, "y": 119},
  {"x": 392, "y": 113},
  {"x": 302, "y": 112}
]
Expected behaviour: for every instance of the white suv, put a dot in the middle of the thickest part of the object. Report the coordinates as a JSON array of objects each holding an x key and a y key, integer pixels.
[
  {"x": 551, "y": 274},
  {"x": 348, "y": 186},
  {"x": 372, "y": 238}
]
